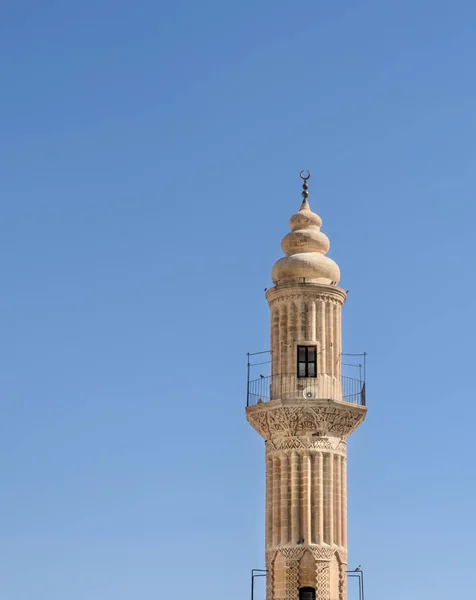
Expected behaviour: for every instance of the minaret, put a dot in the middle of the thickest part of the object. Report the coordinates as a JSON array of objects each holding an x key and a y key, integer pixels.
[{"x": 305, "y": 412}]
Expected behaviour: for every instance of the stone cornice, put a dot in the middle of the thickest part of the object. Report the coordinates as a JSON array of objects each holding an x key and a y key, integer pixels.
[
  {"x": 311, "y": 291},
  {"x": 291, "y": 417}
]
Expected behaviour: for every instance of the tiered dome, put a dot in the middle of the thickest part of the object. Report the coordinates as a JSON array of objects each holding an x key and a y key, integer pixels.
[{"x": 305, "y": 248}]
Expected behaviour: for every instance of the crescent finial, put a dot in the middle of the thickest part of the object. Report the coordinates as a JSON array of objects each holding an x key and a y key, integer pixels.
[{"x": 305, "y": 187}]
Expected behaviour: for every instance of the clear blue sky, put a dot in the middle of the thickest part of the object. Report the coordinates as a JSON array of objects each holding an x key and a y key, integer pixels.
[{"x": 149, "y": 157}]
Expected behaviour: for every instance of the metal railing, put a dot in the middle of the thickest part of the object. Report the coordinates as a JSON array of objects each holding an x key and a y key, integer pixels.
[
  {"x": 289, "y": 386},
  {"x": 356, "y": 573}
]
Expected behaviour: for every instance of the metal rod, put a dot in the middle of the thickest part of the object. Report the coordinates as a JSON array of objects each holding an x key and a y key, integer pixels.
[
  {"x": 248, "y": 382},
  {"x": 360, "y": 575},
  {"x": 253, "y": 575}
]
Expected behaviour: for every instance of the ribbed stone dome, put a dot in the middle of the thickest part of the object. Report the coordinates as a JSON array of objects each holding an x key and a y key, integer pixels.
[{"x": 305, "y": 248}]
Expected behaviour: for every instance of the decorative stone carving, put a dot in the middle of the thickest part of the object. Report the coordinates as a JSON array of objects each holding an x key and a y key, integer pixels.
[
  {"x": 290, "y": 297},
  {"x": 323, "y": 581},
  {"x": 341, "y": 447},
  {"x": 270, "y": 558},
  {"x": 321, "y": 444},
  {"x": 341, "y": 557},
  {"x": 329, "y": 444},
  {"x": 270, "y": 447},
  {"x": 260, "y": 421},
  {"x": 292, "y": 579},
  {"x": 303, "y": 443},
  {"x": 289, "y": 417},
  {"x": 301, "y": 292},
  {"x": 342, "y": 582},
  {"x": 292, "y": 553},
  {"x": 322, "y": 553},
  {"x": 291, "y": 443},
  {"x": 287, "y": 420}
]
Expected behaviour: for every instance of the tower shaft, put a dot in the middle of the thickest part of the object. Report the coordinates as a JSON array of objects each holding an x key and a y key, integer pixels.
[{"x": 310, "y": 413}]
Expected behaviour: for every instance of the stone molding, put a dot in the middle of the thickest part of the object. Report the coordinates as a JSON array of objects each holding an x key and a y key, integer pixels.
[
  {"x": 300, "y": 291},
  {"x": 327, "y": 417},
  {"x": 335, "y": 445},
  {"x": 319, "y": 553},
  {"x": 300, "y": 297}
]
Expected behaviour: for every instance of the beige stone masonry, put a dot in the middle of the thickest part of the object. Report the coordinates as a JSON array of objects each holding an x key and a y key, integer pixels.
[{"x": 306, "y": 428}]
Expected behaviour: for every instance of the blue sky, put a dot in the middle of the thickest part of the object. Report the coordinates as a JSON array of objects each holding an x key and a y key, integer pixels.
[{"x": 149, "y": 155}]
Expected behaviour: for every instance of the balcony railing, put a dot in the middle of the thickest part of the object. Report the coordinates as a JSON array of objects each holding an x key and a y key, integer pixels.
[{"x": 289, "y": 386}]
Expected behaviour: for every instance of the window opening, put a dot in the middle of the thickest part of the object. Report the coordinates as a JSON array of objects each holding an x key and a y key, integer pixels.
[
  {"x": 306, "y": 361},
  {"x": 307, "y": 593}
]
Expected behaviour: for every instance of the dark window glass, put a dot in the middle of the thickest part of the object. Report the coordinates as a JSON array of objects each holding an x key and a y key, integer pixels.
[
  {"x": 307, "y": 361},
  {"x": 307, "y": 593}
]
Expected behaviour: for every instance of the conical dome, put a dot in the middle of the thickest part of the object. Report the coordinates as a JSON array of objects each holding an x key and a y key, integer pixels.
[{"x": 305, "y": 248}]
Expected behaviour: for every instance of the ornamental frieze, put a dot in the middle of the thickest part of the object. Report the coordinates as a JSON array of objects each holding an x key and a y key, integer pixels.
[
  {"x": 332, "y": 444},
  {"x": 318, "y": 552},
  {"x": 322, "y": 417},
  {"x": 300, "y": 298},
  {"x": 291, "y": 553}
]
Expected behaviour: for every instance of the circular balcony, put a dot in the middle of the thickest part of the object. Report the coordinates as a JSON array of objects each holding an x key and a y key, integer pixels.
[{"x": 288, "y": 386}]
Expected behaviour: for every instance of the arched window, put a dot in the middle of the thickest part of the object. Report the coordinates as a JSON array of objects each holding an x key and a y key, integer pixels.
[{"x": 307, "y": 593}]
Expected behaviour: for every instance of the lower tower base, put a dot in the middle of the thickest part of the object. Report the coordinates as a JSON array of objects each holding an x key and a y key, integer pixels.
[{"x": 312, "y": 573}]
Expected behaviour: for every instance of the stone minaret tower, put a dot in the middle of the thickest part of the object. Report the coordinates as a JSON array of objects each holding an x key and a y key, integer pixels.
[{"x": 305, "y": 412}]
